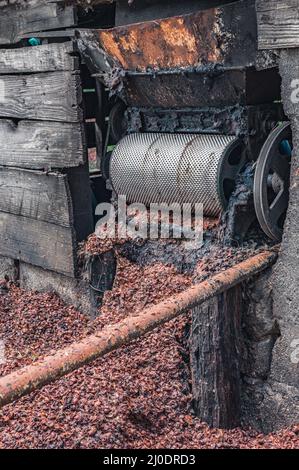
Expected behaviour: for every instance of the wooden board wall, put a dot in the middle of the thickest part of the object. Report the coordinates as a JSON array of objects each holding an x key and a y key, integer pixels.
[
  {"x": 40, "y": 243},
  {"x": 42, "y": 155},
  {"x": 278, "y": 23},
  {"x": 48, "y": 58},
  {"x": 53, "y": 96},
  {"x": 36, "y": 195},
  {"x": 16, "y": 20},
  {"x": 41, "y": 144}
]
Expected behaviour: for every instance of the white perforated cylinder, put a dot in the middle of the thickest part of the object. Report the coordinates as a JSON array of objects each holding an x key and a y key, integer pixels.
[{"x": 170, "y": 168}]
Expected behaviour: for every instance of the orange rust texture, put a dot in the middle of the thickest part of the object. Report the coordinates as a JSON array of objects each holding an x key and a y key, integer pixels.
[
  {"x": 181, "y": 41},
  {"x": 29, "y": 378}
]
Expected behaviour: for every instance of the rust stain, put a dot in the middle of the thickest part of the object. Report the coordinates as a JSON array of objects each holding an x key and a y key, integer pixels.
[{"x": 181, "y": 41}]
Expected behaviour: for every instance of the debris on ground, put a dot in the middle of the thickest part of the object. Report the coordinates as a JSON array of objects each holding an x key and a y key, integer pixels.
[{"x": 136, "y": 397}]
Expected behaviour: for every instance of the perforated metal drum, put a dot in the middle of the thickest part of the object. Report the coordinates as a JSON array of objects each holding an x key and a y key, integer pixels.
[{"x": 177, "y": 168}]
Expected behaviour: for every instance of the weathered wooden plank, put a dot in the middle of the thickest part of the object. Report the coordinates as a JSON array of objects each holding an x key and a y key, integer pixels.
[
  {"x": 278, "y": 23},
  {"x": 15, "y": 21},
  {"x": 35, "y": 194},
  {"x": 40, "y": 145},
  {"x": 214, "y": 359},
  {"x": 53, "y": 96},
  {"x": 39, "y": 243},
  {"x": 69, "y": 33},
  {"x": 45, "y": 58}
]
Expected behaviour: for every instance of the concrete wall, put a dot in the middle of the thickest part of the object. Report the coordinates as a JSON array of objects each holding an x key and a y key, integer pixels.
[
  {"x": 271, "y": 385},
  {"x": 284, "y": 377}
]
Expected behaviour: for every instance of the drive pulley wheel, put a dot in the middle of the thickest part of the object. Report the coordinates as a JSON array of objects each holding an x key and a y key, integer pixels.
[{"x": 272, "y": 181}]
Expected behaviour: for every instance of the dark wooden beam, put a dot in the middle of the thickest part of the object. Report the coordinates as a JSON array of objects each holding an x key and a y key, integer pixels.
[
  {"x": 278, "y": 24},
  {"x": 80, "y": 190},
  {"x": 214, "y": 359},
  {"x": 40, "y": 145}
]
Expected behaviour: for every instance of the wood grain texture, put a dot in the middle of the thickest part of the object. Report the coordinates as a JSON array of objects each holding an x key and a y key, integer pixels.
[
  {"x": 15, "y": 20},
  {"x": 39, "y": 145},
  {"x": 36, "y": 195},
  {"x": 45, "y": 58},
  {"x": 36, "y": 242},
  {"x": 214, "y": 359},
  {"x": 278, "y": 23},
  {"x": 54, "y": 96},
  {"x": 69, "y": 33}
]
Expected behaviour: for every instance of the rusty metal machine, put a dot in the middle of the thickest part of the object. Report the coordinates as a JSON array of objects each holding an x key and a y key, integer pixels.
[{"x": 195, "y": 102}]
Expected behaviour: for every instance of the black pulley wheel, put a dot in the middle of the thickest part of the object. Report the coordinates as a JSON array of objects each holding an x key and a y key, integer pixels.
[{"x": 272, "y": 181}]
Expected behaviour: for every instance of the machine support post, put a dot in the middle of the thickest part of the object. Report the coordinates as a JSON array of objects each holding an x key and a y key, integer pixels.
[{"x": 214, "y": 359}]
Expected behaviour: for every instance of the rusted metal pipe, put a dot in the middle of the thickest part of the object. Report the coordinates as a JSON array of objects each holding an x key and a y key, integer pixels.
[{"x": 29, "y": 378}]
